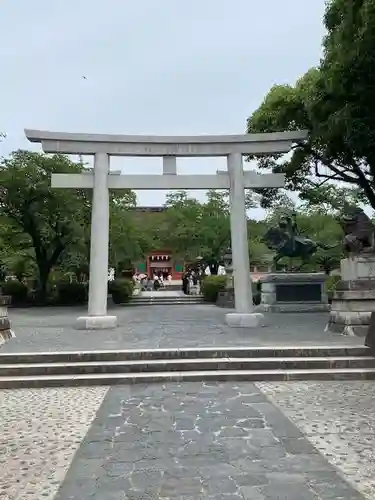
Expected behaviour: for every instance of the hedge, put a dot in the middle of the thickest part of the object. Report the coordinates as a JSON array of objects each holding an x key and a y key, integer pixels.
[
  {"x": 121, "y": 290},
  {"x": 211, "y": 286},
  {"x": 71, "y": 293},
  {"x": 17, "y": 290}
]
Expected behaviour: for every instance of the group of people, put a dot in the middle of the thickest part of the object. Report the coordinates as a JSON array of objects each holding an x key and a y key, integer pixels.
[
  {"x": 191, "y": 281},
  {"x": 148, "y": 283}
]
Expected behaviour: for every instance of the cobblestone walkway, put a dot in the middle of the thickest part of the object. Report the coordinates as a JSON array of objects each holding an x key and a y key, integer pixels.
[
  {"x": 40, "y": 430},
  {"x": 160, "y": 326},
  {"x": 339, "y": 419}
]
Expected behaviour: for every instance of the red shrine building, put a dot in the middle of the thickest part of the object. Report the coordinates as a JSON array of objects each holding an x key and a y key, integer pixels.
[{"x": 160, "y": 261}]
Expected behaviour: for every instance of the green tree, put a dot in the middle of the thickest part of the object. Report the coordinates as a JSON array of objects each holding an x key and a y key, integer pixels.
[
  {"x": 335, "y": 103},
  {"x": 180, "y": 228},
  {"x": 129, "y": 241},
  {"x": 16, "y": 256},
  {"x": 193, "y": 229},
  {"x": 123, "y": 237},
  {"x": 51, "y": 219}
]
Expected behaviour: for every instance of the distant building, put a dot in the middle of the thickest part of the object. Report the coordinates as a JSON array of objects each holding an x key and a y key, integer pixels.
[{"x": 161, "y": 260}]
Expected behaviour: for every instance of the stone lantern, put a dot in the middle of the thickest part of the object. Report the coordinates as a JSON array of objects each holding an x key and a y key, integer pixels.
[
  {"x": 226, "y": 297},
  {"x": 228, "y": 264}
]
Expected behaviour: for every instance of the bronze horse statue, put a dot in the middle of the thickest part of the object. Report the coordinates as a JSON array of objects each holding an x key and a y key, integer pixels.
[{"x": 286, "y": 241}]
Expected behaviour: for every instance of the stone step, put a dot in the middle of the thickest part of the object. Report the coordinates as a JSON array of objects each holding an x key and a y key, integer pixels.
[
  {"x": 163, "y": 302},
  {"x": 199, "y": 365},
  {"x": 191, "y": 376},
  {"x": 173, "y": 287},
  {"x": 168, "y": 297},
  {"x": 191, "y": 353}
]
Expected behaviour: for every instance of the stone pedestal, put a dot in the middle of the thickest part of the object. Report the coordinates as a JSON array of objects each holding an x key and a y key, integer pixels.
[
  {"x": 245, "y": 320},
  {"x": 5, "y": 331},
  {"x": 293, "y": 292},
  {"x": 225, "y": 298},
  {"x": 96, "y": 322},
  {"x": 354, "y": 298}
]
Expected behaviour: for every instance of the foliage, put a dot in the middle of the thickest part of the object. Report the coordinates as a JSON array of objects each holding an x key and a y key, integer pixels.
[
  {"x": 192, "y": 229},
  {"x": 211, "y": 286},
  {"x": 17, "y": 290},
  {"x": 121, "y": 290},
  {"x": 50, "y": 220},
  {"x": 72, "y": 293},
  {"x": 16, "y": 256},
  {"x": 328, "y": 262},
  {"x": 335, "y": 103},
  {"x": 128, "y": 240}
]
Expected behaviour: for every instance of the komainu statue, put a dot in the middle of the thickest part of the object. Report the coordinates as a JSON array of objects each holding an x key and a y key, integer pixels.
[{"x": 359, "y": 231}]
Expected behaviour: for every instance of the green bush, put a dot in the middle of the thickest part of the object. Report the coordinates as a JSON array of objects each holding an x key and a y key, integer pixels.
[
  {"x": 71, "y": 293},
  {"x": 121, "y": 290},
  {"x": 17, "y": 290},
  {"x": 211, "y": 286}
]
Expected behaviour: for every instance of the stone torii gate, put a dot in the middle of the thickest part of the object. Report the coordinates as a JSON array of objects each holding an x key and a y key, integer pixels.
[{"x": 102, "y": 146}]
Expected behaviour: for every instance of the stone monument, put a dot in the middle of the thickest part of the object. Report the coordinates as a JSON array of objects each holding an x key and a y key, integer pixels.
[
  {"x": 354, "y": 298},
  {"x": 292, "y": 291}
]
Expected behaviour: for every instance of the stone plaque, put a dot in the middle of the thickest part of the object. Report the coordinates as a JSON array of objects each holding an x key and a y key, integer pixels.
[{"x": 301, "y": 292}]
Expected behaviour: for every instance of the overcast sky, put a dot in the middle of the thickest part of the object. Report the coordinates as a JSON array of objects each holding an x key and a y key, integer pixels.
[{"x": 151, "y": 66}]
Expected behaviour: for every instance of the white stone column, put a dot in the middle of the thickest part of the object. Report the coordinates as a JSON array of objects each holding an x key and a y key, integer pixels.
[
  {"x": 244, "y": 315},
  {"x": 98, "y": 287}
]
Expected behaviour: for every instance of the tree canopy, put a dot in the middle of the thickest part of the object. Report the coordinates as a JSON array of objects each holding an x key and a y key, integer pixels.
[
  {"x": 334, "y": 101},
  {"x": 43, "y": 227}
]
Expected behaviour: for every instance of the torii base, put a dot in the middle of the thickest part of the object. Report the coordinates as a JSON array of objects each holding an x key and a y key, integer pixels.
[
  {"x": 245, "y": 320},
  {"x": 96, "y": 322}
]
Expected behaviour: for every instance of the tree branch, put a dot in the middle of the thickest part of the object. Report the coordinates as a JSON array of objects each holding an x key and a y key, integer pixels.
[{"x": 321, "y": 159}]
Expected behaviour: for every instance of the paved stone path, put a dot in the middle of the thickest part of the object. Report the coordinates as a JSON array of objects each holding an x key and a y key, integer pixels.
[
  {"x": 197, "y": 441},
  {"x": 52, "y": 329}
]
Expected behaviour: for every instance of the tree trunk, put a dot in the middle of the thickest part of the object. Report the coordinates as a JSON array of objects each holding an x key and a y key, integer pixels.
[{"x": 44, "y": 271}]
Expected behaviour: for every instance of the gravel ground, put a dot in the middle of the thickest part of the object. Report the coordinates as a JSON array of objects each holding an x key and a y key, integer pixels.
[
  {"x": 41, "y": 429},
  {"x": 339, "y": 419}
]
